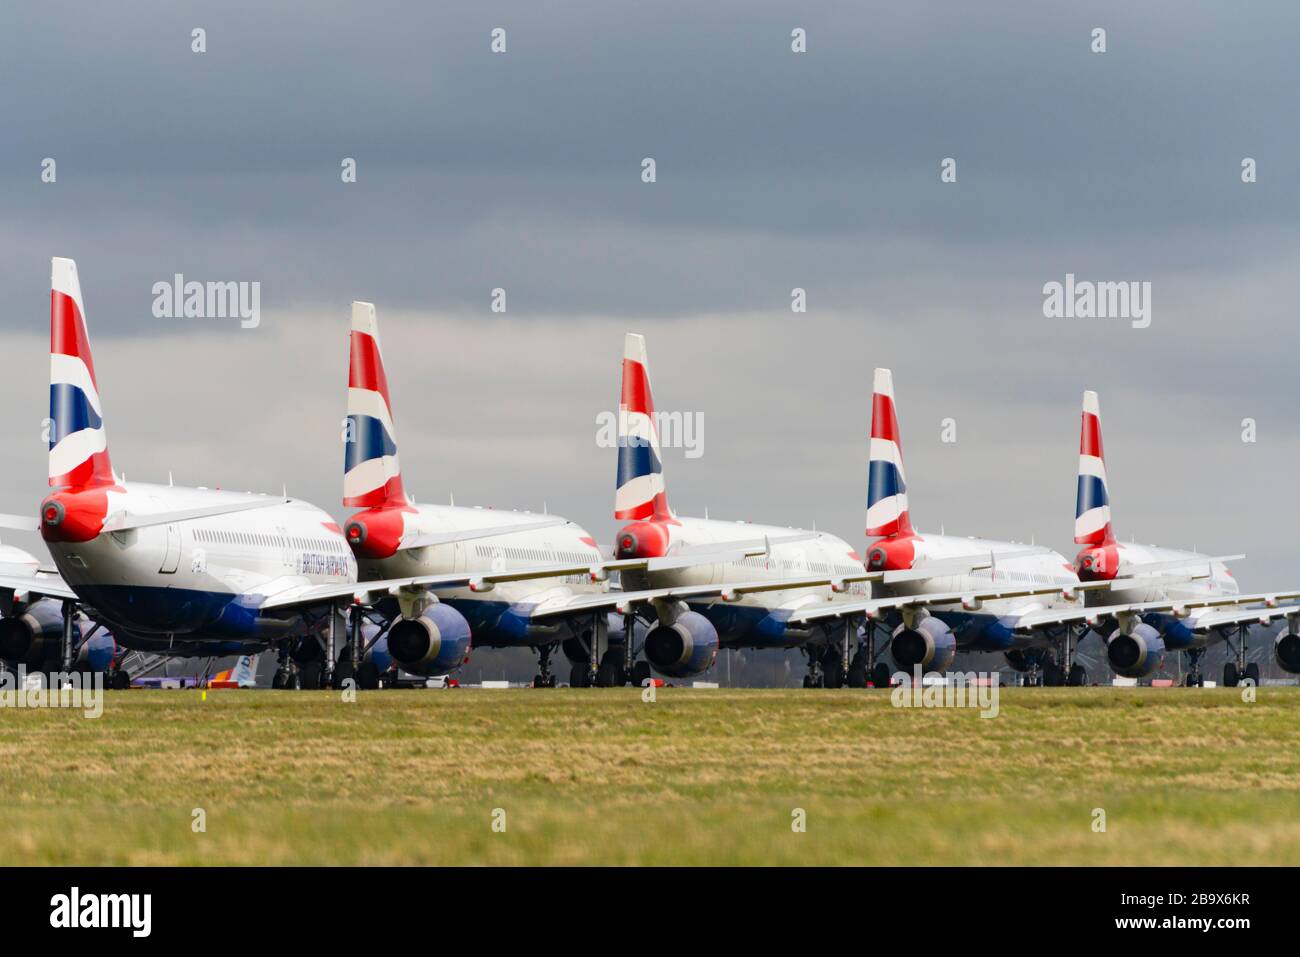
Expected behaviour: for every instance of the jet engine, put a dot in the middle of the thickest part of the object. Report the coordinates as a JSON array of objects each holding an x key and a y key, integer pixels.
[
  {"x": 929, "y": 644},
  {"x": 435, "y": 643},
  {"x": 1287, "y": 650},
  {"x": 97, "y": 652},
  {"x": 684, "y": 647},
  {"x": 1137, "y": 654},
  {"x": 34, "y": 637}
]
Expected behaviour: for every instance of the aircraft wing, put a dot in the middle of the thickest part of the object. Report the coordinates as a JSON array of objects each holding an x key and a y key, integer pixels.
[
  {"x": 1264, "y": 605},
  {"x": 624, "y": 601},
  {"x": 31, "y": 587},
  {"x": 872, "y": 607}
]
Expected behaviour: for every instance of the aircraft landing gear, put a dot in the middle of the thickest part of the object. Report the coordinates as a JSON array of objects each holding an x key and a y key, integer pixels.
[
  {"x": 286, "y": 672},
  {"x": 1069, "y": 672},
  {"x": 1194, "y": 677},
  {"x": 544, "y": 678},
  {"x": 814, "y": 678},
  {"x": 1239, "y": 670},
  {"x": 610, "y": 674},
  {"x": 65, "y": 648}
]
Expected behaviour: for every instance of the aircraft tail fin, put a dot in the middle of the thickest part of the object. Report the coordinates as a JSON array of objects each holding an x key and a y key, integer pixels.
[
  {"x": 640, "y": 492},
  {"x": 78, "y": 445},
  {"x": 887, "y": 511},
  {"x": 1092, "y": 499},
  {"x": 372, "y": 475}
]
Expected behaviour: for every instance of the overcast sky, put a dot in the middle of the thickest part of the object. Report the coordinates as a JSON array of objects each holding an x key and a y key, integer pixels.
[{"x": 819, "y": 170}]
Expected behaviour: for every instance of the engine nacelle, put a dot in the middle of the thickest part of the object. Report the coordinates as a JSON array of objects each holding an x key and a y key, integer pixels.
[
  {"x": 1137, "y": 654},
  {"x": 97, "y": 652},
  {"x": 35, "y": 636},
  {"x": 1287, "y": 651},
  {"x": 930, "y": 644},
  {"x": 686, "y": 647},
  {"x": 435, "y": 643}
]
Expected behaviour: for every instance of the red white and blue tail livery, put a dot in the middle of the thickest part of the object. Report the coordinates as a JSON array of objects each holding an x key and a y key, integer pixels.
[
  {"x": 78, "y": 446},
  {"x": 372, "y": 475},
  {"x": 640, "y": 493},
  {"x": 1092, "y": 503},
  {"x": 886, "y": 485}
]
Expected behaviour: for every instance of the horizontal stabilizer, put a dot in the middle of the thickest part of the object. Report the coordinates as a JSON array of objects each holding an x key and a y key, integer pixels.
[
  {"x": 445, "y": 538},
  {"x": 20, "y": 523},
  {"x": 125, "y": 521},
  {"x": 1190, "y": 562}
]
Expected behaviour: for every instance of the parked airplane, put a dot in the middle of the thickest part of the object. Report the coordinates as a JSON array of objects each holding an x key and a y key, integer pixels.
[
  {"x": 1146, "y": 574},
  {"x": 186, "y": 571},
  {"x": 953, "y": 600},
  {"x": 515, "y": 564},
  {"x": 169, "y": 569}
]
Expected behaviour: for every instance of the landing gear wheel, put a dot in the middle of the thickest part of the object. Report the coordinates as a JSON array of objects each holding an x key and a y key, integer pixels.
[
  {"x": 1078, "y": 676},
  {"x": 343, "y": 671},
  {"x": 277, "y": 682},
  {"x": 857, "y": 676},
  {"x": 610, "y": 673},
  {"x": 1230, "y": 675},
  {"x": 368, "y": 676},
  {"x": 538, "y": 682},
  {"x": 833, "y": 673},
  {"x": 1252, "y": 672},
  {"x": 640, "y": 674},
  {"x": 880, "y": 676},
  {"x": 579, "y": 677},
  {"x": 1053, "y": 675},
  {"x": 311, "y": 676}
]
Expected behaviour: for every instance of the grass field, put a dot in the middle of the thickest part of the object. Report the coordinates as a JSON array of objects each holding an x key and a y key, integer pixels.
[{"x": 600, "y": 777}]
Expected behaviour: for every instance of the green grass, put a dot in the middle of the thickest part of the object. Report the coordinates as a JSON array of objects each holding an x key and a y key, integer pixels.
[{"x": 698, "y": 777}]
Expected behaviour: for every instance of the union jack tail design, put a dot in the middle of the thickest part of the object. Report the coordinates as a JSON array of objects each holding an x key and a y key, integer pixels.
[
  {"x": 78, "y": 446},
  {"x": 640, "y": 492},
  {"x": 372, "y": 476},
  {"x": 886, "y": 487},
  {"x": 1092, "y": 505}
]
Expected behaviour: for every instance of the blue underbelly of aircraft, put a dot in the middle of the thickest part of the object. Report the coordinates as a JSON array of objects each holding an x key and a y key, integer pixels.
[
  {"x": 1175, "y": 631},
  {"x": 981, "y": 632},
  {"x": 186, "y": 613},
  {"x": 496, "y": 624},
  {"x": 750, "y": 626}
]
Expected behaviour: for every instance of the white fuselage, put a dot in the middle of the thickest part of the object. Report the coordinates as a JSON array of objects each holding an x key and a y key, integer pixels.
[
  {"x": 1166, "y": 584},
  {"x": 482, "y": 552},
  {"x": 811, "y": 554},
  {"x": 202, "y": 577},
  {"x": 1041, "y": 569}
]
